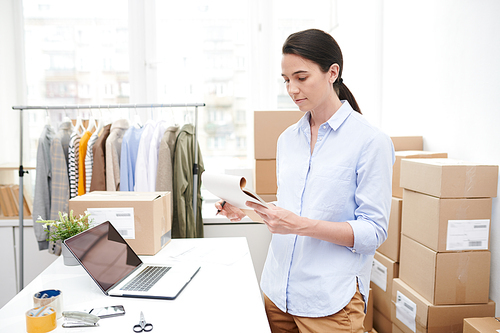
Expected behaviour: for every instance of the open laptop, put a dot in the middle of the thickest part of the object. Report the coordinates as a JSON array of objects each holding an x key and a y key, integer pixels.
[{"x": 115, "y": 267}]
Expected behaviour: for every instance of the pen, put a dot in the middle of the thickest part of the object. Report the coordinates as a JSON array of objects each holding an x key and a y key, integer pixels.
[{"x": 221, "y": 206}]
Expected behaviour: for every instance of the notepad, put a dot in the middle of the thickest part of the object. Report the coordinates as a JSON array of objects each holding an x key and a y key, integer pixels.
[{"x": 232, "y": 189}]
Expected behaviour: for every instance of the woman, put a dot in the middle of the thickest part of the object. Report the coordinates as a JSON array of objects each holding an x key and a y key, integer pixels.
[{"x": 334, "y": 174}]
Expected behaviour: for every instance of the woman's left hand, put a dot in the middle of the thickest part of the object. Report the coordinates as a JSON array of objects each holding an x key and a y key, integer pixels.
[{"x": 279, "y": 220}]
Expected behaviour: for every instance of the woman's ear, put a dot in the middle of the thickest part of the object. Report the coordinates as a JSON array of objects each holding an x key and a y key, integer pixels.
[{"x": 333, "y": 73}]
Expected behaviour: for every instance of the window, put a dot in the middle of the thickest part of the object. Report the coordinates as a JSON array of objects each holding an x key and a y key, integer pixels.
[{"x": 221, "y": 52}]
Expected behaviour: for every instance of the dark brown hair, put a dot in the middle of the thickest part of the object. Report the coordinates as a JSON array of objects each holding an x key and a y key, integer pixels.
[{"x": 320, "y": 47}]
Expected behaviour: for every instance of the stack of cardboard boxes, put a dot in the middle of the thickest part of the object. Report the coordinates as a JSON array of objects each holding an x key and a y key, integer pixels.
[
  {"x": 386, "y": 259},
  {"x": 444, "y": 267},
  {"x": 268, "y": 126}
]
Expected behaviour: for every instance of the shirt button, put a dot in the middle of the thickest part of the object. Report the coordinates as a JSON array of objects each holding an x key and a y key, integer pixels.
[
  {"x": 324, "y": 126},
  {"x": 353, "y": 251}
]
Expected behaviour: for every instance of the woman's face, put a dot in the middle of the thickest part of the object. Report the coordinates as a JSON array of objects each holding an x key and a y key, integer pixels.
[{"x": 307, "y": 85}]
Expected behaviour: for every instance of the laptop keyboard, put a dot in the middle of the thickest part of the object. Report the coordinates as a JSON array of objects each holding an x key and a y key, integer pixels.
[{"x": 146, "y": 278}]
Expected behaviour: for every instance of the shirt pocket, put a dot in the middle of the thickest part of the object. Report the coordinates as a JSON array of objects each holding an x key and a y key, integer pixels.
[{"x": 331, "y": 186}]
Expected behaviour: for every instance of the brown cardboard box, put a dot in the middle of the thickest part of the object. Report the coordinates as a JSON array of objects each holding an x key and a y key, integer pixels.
[
  {"x": 447, "y": 225},
  {"x": 265, "y": 177},
  {"x": 481, "y": 325},
  {"x": 445, "y": 278},
  {"x": 268, "y": 197},
  {"x": 396, "y": 329},
  {"x": 268, "y": 126},
  {"x": 368, "y": 322},
  {"x": 407, "y": 143},
  {"x": 392, "y": 244},
  {"x": 448, "y": 178},
  {"x": 384, "y": 270},
  {"x": 151, "y": 228},
  {"x": 381, "y": 323},
  {"x": 411, "y": 309},
  {"x": 397, "y": 190}
]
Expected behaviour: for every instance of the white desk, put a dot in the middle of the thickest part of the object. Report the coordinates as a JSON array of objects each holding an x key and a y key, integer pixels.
[{"x": 223, "y": 297}]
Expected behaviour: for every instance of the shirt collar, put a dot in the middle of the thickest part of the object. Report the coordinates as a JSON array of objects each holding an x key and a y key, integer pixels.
[
  {"x": 340, "y": 116},
  {"x": 334, "y": 122}
]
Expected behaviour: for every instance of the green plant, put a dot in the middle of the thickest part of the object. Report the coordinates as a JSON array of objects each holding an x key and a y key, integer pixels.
[{"x": 66, "y": 227}]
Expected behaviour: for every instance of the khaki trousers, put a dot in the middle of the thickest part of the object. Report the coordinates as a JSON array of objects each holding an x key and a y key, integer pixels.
[{"x": 349, "y": 319}]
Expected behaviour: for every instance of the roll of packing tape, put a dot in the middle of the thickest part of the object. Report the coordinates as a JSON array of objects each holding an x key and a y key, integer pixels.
[
  {"x": 40, "y": 320},
  {"x": 50, "y": 297}
]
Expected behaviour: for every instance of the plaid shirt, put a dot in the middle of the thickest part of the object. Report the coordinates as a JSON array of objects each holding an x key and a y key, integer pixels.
[{"x": 60, "y": 177}]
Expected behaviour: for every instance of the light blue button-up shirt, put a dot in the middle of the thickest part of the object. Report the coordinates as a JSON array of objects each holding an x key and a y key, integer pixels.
[{"x": 347, "y": 178}]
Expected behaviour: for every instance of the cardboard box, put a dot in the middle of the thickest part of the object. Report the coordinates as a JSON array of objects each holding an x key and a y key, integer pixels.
[
  {"x": 368, "y": 322},
  {"x": 407, "y": 143},
  {"x": 445, "y": 278},
  {"x": 481, "y": 325},
  {"x": 142, "y": 218},
  {"x": 381, "y": 323},
  {"x": 396, "y": 329},
  {"x": 447, "y": 225},
  {"x": 265, "y": 177},
  {"x": 397, "y": 190},
  {"x": 448, "y": 178},
  {"x": 384, "y": 270},
  {"x": 268, "y": 197},
  {"x": 392, "y": 244},
  {"x": 411, "y": 312},
  {"x": 268, "y": 126}
]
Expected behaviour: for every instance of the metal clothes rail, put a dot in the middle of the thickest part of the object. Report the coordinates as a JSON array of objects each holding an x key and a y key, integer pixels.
[{"x": 97, "y": 106}]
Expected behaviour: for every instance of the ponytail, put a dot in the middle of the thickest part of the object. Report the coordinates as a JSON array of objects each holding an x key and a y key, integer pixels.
[{"x": 345, "y": 94}]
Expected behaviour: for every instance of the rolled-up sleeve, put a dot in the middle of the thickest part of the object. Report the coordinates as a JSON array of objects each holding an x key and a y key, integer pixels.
[{"x": 373, "y": 194}]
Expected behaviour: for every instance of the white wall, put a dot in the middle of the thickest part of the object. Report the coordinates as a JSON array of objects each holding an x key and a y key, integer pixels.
[{"x": 439, "y": 77}]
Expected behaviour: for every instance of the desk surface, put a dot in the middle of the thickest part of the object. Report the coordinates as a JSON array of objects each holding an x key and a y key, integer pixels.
[{"x": 223, "y": 297}]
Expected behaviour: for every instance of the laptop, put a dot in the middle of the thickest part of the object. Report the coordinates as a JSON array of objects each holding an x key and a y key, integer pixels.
[{"x": 118, "y": 270}]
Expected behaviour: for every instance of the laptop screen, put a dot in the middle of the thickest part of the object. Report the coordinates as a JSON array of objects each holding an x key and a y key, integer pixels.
[{"x": 104, "y": 253}]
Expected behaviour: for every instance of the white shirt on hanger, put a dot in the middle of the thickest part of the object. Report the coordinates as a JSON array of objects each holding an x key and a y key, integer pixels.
[
  {"x": 141, "y": 166},
  {"x": 158, "y": 132}
]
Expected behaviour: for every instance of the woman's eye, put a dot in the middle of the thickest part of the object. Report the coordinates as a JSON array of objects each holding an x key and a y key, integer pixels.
[{"x": 302, "y": 78}]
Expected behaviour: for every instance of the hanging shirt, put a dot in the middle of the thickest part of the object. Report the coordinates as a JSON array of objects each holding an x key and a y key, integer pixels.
[
  {"x": 89, "y": 160},
  {"x": 98, "y": 181},
  {"x": 81, "y": 162},
  {"x": 347, "y": 178},
  {"x": 164, "y": 175},
  {"x": 141, "y": 166},
  {"x": 184, "y": 224},
  {"x": 128, "y": 158},
  {"x": 60, "y": 177},
  {"x": 113, "y": 151},
  {"x": 43, "y": 181},
  {"x": 158, "y": 132},
  {"x": 73, "y": 159}
]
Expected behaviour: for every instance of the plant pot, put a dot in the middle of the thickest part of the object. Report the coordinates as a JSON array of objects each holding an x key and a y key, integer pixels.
[{"x": 69, "y": 259}]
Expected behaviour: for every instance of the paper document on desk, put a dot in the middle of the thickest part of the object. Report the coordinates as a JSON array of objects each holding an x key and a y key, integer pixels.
[{"x": 232, "y": 189}]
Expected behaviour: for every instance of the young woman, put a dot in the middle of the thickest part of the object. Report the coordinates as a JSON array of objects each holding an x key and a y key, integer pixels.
[{"x": 334, "y": 174}]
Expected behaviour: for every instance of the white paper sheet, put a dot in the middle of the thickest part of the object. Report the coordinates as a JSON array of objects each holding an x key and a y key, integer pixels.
[{"x": 231, "y": 189}]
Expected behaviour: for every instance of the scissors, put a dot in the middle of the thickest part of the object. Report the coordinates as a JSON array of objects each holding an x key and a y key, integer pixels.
[{"x": 143, "y": 326}]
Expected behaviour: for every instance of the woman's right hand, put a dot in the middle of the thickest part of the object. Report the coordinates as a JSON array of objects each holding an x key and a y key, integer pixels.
[{"x": 231, "y": 212}]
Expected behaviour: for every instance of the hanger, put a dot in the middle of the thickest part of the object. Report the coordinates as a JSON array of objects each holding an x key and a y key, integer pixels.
[
  {"x": 47, "y": 117},
  {"x": 79, "y": 124},
  {"x": 137, "y": 120},
  {"x": 66, "y": 118},
  {"x": 99, "y": 123},
  {"x": 92, "y": 123}
]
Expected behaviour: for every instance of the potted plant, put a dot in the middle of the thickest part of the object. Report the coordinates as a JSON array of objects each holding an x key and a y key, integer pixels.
[{"x": 64, "y": 228}]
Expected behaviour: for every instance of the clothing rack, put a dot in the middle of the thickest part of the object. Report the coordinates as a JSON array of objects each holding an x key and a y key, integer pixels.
[{"x": 82, "y": 107}]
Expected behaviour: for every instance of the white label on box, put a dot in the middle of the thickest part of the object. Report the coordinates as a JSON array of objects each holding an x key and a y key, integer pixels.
[
  {"x": 379, "y": 275},
  {"x": 406, "y": 311},
  {"x": 467, "y": 235},
  {"x": 121, "y": 218}
]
